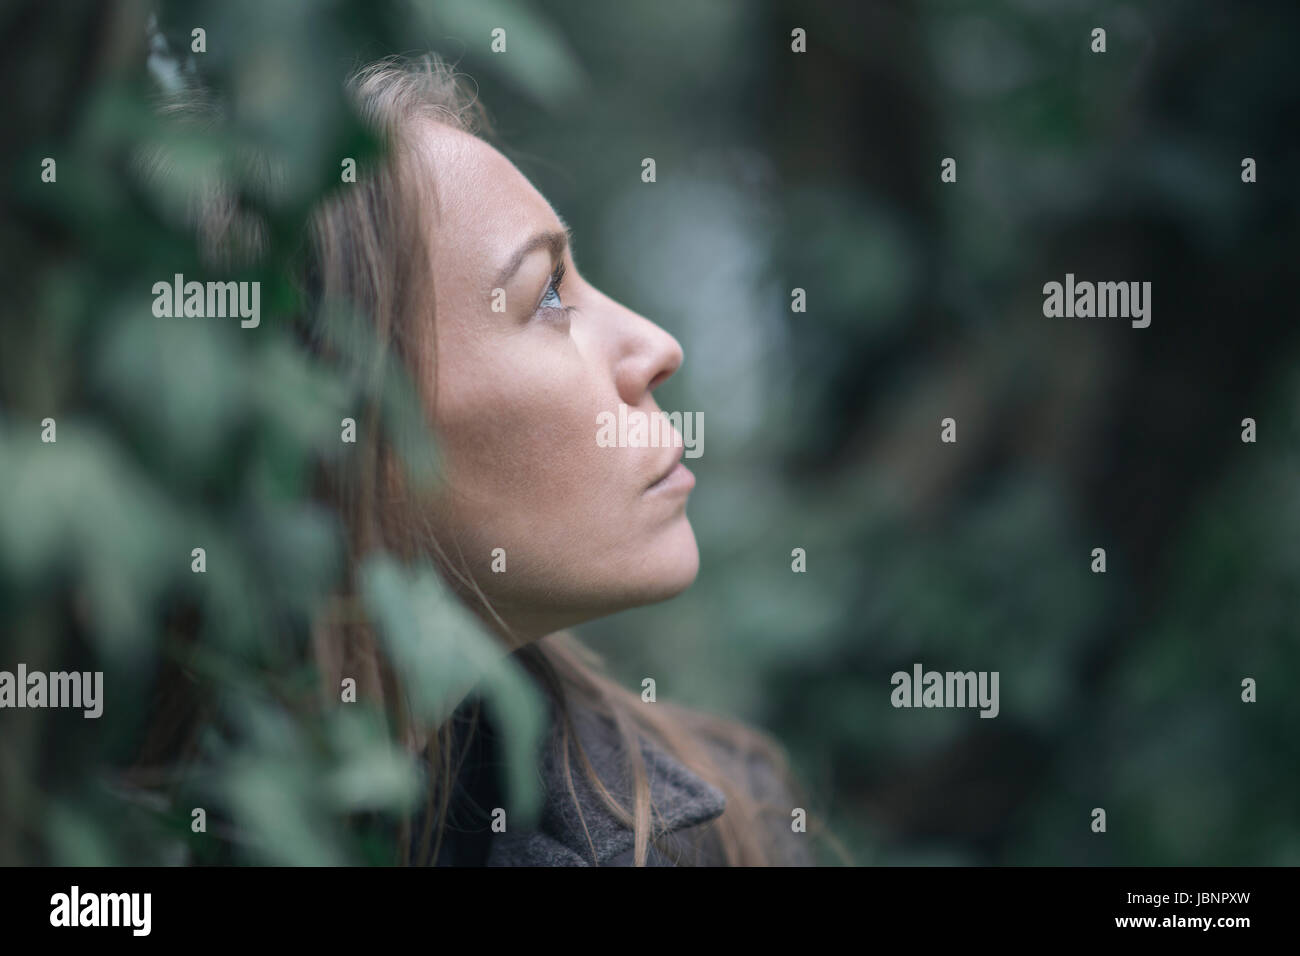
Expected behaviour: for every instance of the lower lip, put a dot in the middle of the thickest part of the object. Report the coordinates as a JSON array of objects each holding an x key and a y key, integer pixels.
[{"x": 679, "y": 479}]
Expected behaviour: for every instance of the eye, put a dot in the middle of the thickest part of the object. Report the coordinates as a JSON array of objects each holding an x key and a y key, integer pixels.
[{"x": 551, "y": 297}]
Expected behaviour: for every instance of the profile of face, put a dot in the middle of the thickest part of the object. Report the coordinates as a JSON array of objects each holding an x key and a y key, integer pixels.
[{"x": 516, "y": 399}]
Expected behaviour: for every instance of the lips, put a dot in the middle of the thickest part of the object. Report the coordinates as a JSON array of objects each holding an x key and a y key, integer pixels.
[{"x": 667, "y": 471}]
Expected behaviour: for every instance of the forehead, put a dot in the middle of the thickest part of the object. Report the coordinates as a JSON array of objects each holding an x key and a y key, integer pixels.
[{"x": 486, "y": 206}]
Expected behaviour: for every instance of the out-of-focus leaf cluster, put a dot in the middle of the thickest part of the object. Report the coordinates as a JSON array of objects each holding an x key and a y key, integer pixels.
[{"x": 175, "y": 434}]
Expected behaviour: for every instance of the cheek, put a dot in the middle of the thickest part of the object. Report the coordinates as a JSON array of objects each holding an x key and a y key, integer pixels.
[{"x": 518, "y": 440}]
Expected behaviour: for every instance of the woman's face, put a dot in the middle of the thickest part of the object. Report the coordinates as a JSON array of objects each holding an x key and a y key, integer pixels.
[{"x": 586, "y": 530}]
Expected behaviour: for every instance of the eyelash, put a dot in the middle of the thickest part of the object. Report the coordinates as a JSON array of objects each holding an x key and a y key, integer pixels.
[{"x": 557, "y": 278}]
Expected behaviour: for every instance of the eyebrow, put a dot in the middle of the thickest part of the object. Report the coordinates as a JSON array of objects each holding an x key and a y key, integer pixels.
[{"x": 555, "y": 241}]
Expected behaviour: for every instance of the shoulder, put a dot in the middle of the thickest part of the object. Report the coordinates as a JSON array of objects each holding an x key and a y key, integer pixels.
[
  {"x": 576, "y": 827},
  {"x": 758, "y": 765}
]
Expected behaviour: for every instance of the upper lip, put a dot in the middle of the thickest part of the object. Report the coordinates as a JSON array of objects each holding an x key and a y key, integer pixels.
[{"x": 669, "y": 470}]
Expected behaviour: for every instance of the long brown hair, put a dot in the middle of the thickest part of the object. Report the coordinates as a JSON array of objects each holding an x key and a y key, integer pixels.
[{"x": 368, "y": 248}]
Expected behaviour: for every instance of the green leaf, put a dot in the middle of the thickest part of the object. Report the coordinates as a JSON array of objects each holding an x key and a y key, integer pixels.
[{"x": 442, "y": 652}]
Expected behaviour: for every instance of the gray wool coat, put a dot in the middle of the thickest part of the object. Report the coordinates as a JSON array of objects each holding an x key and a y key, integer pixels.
[{"x": 687, "y": 804}]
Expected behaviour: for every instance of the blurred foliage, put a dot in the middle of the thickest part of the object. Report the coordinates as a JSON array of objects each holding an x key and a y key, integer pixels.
[
  {"x": 821, "y": 172},
  {"x": 172, "y": 436},
  {"x": 774, "y": 171}
]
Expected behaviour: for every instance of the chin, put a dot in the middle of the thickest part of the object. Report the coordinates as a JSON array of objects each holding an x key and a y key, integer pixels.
[
  {"x": 655, "y": 571},
  {"x": 650, "y": 572},
  {"x": 671, "y": 566}
]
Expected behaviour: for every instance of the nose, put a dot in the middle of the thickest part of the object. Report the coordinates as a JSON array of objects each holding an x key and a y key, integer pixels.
[{"x": 645, "y": 356}]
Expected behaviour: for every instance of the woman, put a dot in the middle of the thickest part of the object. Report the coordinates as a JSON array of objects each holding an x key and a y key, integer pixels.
[{"x": 466, "y": 276}]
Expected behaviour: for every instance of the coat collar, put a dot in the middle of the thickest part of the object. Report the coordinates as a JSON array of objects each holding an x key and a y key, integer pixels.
[{"x": 681, "y": 799}]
